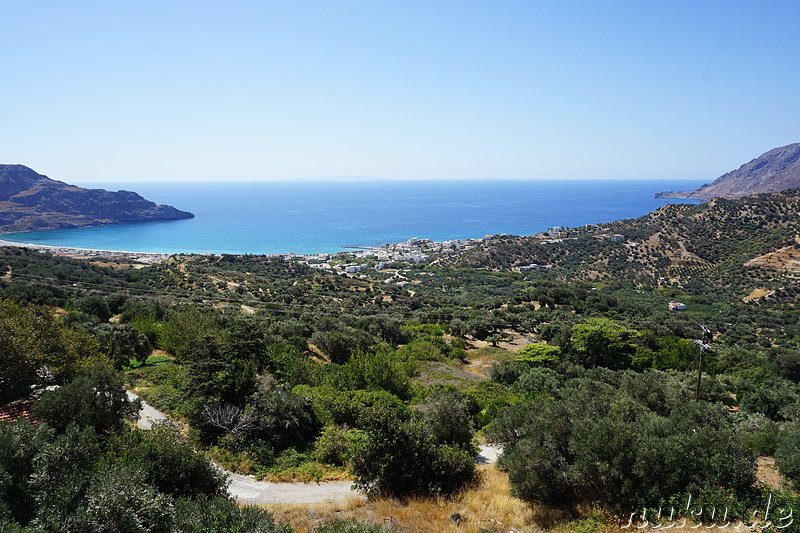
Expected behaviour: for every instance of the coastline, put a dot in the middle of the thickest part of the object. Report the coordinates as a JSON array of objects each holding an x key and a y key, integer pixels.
[
  {"x": 413, "y": 250},
  {"x": 87, "y": 253},
  {"x": 388, "y": 215}
]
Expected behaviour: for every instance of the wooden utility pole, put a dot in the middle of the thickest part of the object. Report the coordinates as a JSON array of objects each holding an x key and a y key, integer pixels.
[{"x": 705, "y": 344}]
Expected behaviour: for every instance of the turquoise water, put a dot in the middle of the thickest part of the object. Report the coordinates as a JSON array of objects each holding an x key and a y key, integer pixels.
[{"x": 322, "y": 216}]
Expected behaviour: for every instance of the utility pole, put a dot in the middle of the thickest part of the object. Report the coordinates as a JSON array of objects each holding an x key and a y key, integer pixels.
[{"x": 705, "y": 344}]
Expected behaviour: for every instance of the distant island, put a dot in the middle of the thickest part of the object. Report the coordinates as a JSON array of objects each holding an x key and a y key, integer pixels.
[
  {"x": 773, "y": 171},
  {"x": 32, "y": 202}
]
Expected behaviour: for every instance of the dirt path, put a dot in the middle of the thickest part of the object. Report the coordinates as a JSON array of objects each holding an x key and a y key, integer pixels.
[
  {"x": 148, "y": 414},
  {"x": 248, "y": 490}
]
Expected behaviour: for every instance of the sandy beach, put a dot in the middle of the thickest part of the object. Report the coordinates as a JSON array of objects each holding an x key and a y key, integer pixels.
[{"x": 87, "y": 253}]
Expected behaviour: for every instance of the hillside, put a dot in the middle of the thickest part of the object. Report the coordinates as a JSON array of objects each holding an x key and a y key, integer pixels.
[
  {"x": 755, "y": 236},
  {"x": 773, "y": 171},
  {"x": 32, "y": 202}
]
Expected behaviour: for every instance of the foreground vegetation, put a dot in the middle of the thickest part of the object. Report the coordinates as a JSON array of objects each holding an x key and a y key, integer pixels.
[{"x": 286, "y": 372}]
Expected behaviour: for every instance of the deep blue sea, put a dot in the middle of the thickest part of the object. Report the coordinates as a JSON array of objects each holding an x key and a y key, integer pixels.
[{"x": 322, "y": 215}]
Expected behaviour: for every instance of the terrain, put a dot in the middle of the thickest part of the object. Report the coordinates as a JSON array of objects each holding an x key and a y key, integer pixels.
[
  {"x": 33, "y": 202},
  {"x": 564, "y": 349},
  {"x": 773, "y": 171},
  {"x": 726, "y": 244}
]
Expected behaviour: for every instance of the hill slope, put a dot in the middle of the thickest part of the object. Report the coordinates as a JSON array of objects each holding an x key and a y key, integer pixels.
[
  {"x": 31, "y": 202},
  {"x": 755, "y": 236},
  {"x": 773, "y": 171}
]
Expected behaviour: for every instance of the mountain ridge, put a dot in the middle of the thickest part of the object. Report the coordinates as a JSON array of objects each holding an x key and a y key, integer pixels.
[
  {"x": 773, "y": 171},
  {"x": 32, "y": 202}
]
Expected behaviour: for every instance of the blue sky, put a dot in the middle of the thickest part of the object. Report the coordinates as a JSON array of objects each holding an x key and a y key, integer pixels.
[{"x": 160, "y": 90}]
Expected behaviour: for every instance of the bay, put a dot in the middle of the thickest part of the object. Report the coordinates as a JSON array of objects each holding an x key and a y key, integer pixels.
[{"x": 316, "y": 216}]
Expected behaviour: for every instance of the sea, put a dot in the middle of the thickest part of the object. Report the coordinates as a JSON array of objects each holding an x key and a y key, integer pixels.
[{"x": 329, "y": 216}]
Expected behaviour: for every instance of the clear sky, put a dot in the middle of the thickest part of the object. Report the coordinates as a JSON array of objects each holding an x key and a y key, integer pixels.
[{"x": 186, "y": 90}]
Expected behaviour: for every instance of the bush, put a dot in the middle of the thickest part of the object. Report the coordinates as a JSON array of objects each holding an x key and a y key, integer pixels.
[
  {"x": 382, "y": 370},
  {"x": 335, "y": 444},
  {"x": 447, "y": 413},
  {"x": 59, "y": 478},
  {"x": 399, "y": 458},
  {"x": 787, "y": 454},
  {"x": 118, "y": 499},
  {"x": 220, "y": 515},
  {"x": 345, "y": 407},
  {"x": 507, "y": 372},
  {"x": 594, "y": 443},
  {"x": 170, "y": 463},
  {"x": 538, "y": 381},
  {"x": 758, "y": 433},
  {"x": 284, "y": 419},
  {"x": 771, "y": 399},
  {"x": 20, "y": 443},
  {"x": 540, "y": 354},
  {"x": 96, "y": 399}
]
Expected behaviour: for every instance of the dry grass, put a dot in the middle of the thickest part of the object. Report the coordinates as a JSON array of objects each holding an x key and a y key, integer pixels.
[
  {"x": 439, "y": 373},
  {"x": 489, "y": 503},
  {"x": 785, "y": 259},
  {"x": 756, "y": 294},
  {"x": 767, "y": 473},
  {"x": 115, "y": 265},
  {"x": 486, "y": 507},
  {"x": 481, "y": 358}
]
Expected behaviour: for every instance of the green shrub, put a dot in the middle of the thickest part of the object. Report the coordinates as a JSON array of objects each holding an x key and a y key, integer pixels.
[
  {"x": 787, "y": 453},
  {"x": 345, "y": 407},
  {"x": 507, "y": 372},
  {"x": 540, "y": 354},
  {"x": 335, "y": 444},
  {"x": 96, "y": 399},
  {"x": 351, "y": 526},
  {"x": 170, "y": 463},
  {"x": 220, "y": 515},
  {"x": 595, "y": 443},
  {"x": 400, "y": 458}
]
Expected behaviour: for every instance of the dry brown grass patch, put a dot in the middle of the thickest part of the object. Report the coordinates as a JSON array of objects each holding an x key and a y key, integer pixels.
[
  {"x": 488, "y": 503},
  {"x": 481, "y": 358},
  {"x": 768, "y": 474}
]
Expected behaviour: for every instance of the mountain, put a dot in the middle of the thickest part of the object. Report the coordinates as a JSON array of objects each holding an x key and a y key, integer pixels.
[
  {"x": 32, "y": 202},
  {"x": 776, "y": 170}
]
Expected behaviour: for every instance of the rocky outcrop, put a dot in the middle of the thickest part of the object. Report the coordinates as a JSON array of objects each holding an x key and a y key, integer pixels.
[
  {"x": 32, "y": 202},
  {"x": 774, "y": 171}
]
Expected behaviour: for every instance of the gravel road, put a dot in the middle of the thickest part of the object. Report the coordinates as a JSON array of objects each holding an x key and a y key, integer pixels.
[{"x": 148, "y": 414}]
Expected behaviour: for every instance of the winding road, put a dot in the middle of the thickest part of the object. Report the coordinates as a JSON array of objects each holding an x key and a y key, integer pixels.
[{"x": 246, "y": 489}]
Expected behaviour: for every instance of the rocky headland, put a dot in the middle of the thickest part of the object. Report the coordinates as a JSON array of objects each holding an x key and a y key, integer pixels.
[
  {"x": 32, "y": 202},
  {"x": 773, "y": 171}
]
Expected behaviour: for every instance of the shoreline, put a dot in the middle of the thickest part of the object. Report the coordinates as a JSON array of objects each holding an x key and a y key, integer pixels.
[
  {"x": 413, "y": 250},
  {"x": 143, "y": 257},
  {"x": 360, "y": 239}
]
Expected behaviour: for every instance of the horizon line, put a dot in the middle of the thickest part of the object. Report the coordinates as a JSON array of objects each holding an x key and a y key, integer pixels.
[{"x": 374, "y": 179}]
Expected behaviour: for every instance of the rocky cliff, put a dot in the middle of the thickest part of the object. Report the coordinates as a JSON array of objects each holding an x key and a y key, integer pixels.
[
  {"x": 32, "y": 202},
  {"x": 776, "y": 170}
]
